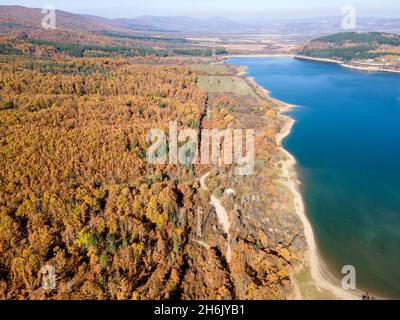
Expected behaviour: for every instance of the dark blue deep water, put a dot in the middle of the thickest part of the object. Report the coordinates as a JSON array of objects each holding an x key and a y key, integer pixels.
[{"x": 347, "y": 143}]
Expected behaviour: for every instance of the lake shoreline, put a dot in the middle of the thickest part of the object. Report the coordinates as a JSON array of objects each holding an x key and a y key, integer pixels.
[
  {"x": 260, "y": 55},
  {"x": 346, "y": 65},
  {"x": 321, "y": 276},
  {"x": 323, "y": 60}
]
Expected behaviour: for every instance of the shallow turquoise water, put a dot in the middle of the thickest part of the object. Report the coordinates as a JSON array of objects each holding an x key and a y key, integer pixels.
[{"x": 347, "y": 143}]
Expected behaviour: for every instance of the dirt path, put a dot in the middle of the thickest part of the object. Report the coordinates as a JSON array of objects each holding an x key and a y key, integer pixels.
[{"x": 222, "y": 216}]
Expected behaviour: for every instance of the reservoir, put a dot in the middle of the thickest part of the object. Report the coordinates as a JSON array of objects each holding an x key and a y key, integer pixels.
[{"x": 346, "y": 141}]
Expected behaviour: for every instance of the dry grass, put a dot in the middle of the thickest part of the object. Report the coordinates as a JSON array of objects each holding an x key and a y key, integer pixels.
[
  {"x": 220, "y": 84},
  {"x": 211, "y": 69}
]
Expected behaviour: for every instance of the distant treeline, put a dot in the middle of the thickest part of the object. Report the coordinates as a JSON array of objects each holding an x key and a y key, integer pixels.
[
  {"x": 371, "y": 38},
  {"x": 220, "y": 51},
  {"x": 49, "y": 67},
  {"x": 143, "y": 38},
  {"x": 346, "y": 54},
  {"x": 97, "y": 51},
  {"x": 8, "y": 49},
  {"x": 13, "y": 25},
  {"x": 79, "y": 50},
  {"x": 193, "y": 52}
]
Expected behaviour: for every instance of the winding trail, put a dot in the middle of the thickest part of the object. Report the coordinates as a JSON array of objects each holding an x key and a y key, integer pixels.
[{"x": 222, "y": 216}]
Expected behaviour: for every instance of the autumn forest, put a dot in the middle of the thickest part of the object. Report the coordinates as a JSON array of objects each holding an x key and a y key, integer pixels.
[{"x": 78, "y": 194}]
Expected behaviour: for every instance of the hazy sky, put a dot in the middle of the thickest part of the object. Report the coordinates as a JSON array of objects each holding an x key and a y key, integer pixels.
[{"x": 228, "y": 8}]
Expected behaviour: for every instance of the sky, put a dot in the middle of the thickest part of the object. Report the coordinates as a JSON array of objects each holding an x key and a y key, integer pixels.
[{"x": 236, "y": 9}]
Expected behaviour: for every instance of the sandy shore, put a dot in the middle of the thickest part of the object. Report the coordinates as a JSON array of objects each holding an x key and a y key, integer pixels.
[
  {"x": 346, "y": 65},
  {"x": 281, "y": 55},
  {"x": 242, "y": 70},
  {"x": 317, "y": 59},
  {"x": 369, "y": 69},
  {"x": 322, "y": 278},
  {"x": 253, "y": 82}
]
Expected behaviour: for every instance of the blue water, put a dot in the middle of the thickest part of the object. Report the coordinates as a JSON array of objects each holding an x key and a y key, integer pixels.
[{"x": 347, "y": 143}]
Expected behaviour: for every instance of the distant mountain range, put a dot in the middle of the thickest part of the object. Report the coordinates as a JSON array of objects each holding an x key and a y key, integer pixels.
[
  {"x": 185, "y": 24},
  {"x": 326, "y": 25},
  {"x": 309, "y": 27}
]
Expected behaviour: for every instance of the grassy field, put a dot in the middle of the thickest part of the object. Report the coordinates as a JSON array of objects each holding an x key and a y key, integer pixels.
[
  {"x": 191, "y": 59},
  {"x": 211, "y": 69},
  {"x": 221, "y": 84}
]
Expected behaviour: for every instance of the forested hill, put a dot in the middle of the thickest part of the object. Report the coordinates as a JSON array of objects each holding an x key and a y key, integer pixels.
[
  {"x": 350, "y": 46},
  {"x": 368, "y": 39},
  {"x": 79, "y": 36}
]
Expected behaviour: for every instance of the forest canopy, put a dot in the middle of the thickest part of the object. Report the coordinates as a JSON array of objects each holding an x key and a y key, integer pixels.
[{"x": 76, "y": 191}]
